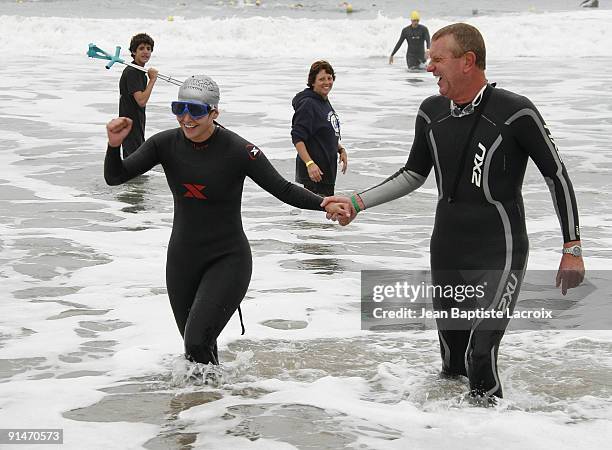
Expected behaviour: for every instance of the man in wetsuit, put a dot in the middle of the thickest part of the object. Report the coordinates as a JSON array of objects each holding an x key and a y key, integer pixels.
[
  {"x": 416, "y": 36},
  {"x": 478, "y": 139},
  {"x": 209, "y": 261},
  {"x": 135, "y": 91}
]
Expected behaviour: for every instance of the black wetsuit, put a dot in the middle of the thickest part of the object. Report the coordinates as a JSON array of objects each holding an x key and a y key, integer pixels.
[
  {"x": 479, "y": 236},
  {"x": 316, "y": 124},
  {"x": 208, "y": 266},
  {"x": 415, "y": 37},
  {"x": 132, "y": 80}
]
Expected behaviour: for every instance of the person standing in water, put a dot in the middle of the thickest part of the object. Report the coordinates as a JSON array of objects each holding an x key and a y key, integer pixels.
[
  {"x": 417, "y": 39},
  {"x": 315, "y": 132},
  {"x": 209, "y": 260},
  {"x": 478, "y": 138},
  {"x": 135, "y": 91}
]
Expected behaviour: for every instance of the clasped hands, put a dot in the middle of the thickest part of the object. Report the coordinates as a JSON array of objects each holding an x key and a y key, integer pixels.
[{"x": 339, "y": 209}]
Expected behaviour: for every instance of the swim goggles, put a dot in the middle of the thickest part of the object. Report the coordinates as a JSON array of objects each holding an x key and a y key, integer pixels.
[
  {"x": 456, "y": 111},
  {"x": 195, "y": 109}
]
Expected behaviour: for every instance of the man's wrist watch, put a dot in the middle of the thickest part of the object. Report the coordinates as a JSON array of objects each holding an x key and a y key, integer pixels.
[{"x": 574, "y": 250}]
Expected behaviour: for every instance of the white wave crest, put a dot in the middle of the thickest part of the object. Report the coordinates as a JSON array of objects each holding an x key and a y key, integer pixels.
[{"x": 508, "y": 36}]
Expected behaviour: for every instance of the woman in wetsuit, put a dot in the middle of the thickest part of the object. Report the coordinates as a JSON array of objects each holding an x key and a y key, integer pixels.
[{"x": 209, "y": 261}]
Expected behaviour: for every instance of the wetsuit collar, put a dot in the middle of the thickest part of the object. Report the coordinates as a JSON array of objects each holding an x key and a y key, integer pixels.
[
  {"x": 457, "y": 111},
  {"x": 204, "y": 144}
]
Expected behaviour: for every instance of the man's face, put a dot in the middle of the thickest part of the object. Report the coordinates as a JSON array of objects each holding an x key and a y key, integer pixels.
[
  {"x": 414, "y": 23},
  {"x": 447, "y": 68},
  {"x": 142, "y": 54}
]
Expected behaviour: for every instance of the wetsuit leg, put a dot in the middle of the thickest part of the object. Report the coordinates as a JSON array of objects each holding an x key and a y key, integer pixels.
[
  {"x": 220, "y": 291},
  {"x": 453, "y": 334},
  {"x": 413, "y": 62},
  {"x": 470, "y": 347},
  {"x": 482, "y": 362},
  {"x": 453, "y": 344},
  {"x": 325, "y": 190},
  {"x": 486, "y": 335},
  {"x": 183, "y": 275},
  {"x": 205, "y": 292}
]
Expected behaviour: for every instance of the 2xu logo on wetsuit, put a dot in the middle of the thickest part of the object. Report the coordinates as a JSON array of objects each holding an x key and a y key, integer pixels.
[
  {"x": 506, "y": 299},
  {"x": 478, "y": 162}
]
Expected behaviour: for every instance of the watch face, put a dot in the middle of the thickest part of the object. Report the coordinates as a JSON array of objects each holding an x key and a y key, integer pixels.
[{"x": 576, "y": 251}]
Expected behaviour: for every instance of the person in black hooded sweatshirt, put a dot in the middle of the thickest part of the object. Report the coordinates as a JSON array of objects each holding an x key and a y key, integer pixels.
[{"x": 315, "y": 132}]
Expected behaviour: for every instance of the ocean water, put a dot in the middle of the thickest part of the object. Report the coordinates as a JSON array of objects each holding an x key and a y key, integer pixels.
[{"x": 87, "y": 339}]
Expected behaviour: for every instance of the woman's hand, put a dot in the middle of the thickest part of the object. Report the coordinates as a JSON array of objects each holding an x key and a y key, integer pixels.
[
  {"x": 343, "y": 159},
  {"x": 314, "y": 173},
  {"x": 117, "y": 130}
]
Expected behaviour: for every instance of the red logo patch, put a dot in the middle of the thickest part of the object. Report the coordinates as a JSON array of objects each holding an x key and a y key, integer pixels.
[{"x": 195, "y": 191}]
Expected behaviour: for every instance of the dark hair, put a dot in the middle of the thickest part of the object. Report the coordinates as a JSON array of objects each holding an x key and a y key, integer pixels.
[
  {"x": 140, "y": 38},
  {"x": 468, "y": 39},
  {"x": 316, "y": 67}
]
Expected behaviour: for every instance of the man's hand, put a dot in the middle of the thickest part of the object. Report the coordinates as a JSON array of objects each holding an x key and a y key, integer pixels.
[
  {"x": 390, "y": 59},
  {"x": 343, "y": 160},
  {"x": 117, "y": 130},
  {"x": 342, "y": 219},
  {"x": 571, "y": 272},
  {"x": 152, "y": 73}
]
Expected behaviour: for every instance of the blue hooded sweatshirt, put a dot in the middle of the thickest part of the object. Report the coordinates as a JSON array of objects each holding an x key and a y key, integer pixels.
[{"x": 316, "y": 124}]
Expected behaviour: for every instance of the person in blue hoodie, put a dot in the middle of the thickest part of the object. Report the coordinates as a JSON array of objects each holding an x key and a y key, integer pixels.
[{"x": 315, "y": 133}]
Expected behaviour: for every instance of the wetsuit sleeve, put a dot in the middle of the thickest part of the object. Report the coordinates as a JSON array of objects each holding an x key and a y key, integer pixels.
[
  {"x": 427, "y": 39},
  {"x": 262, "y": 172},
  {"x": 118, "y": 171},
  {"x": 408, "y": 178},
  {"x": 534, "y": 138},
  {"x": 399, "y": 43},
  {"x": 302, "y": 123}
]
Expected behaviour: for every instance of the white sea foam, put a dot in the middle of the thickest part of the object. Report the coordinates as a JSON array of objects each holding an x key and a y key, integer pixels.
[{"x": 508, "y": 36}]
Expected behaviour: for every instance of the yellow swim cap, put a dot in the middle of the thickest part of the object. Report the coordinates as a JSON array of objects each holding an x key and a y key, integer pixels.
[{"x": 414, "y": 15}]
